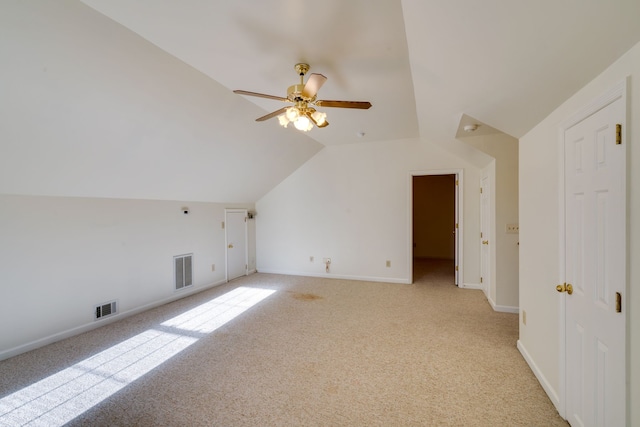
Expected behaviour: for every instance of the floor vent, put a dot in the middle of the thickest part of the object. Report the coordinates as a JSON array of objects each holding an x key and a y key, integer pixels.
[
  {"x": 105, "y": 310},
  {"x": 183, "y": 270}
]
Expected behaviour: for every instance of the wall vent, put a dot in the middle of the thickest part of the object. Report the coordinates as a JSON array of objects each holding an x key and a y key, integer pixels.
[
  {"x": 104, "y": 310},
  {"x": 183, "y": 270}
]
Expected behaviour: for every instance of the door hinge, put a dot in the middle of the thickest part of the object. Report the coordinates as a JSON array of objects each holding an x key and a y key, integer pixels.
[
  {"x": 618, "y": 134},
  {"x": 618, "y": 302},
  {"x": 456, "y": 225},
  {"x": 456, "y": 182},
  {"x": 245, "y": 219},
  {"x": 246, "y": 267},
  {"x": 480, "y": 190},
  {"x": 480, "y": 279},
  {"x": 481, "y": 234},
  {"x": 456, "y": 268}
]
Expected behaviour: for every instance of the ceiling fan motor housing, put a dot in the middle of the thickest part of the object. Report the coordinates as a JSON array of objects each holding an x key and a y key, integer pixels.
[{"x": 294, "y": 93}]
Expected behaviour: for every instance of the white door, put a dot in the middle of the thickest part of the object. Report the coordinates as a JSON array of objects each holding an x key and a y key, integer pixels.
[
  {"x": 485, "y": 232},
  {"x": 236, "y": 240},
  {"x": 595, "y": 257},
  {"x": 456, "y": 235}
]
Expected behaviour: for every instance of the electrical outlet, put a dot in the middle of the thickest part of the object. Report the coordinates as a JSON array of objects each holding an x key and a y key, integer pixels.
[
  {"x": 311, "y": 258},
  {"x": 524, "y": 317},
  {"x": 388, "y": 263},
  {"x": 512, "y": 229}
]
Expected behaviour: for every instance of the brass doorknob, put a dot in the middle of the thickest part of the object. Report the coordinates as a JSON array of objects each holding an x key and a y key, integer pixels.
[
  {"x": 565, "y": 287},
  {"x": 230, "y": 246},
  {"x": 485, "y": 242}
]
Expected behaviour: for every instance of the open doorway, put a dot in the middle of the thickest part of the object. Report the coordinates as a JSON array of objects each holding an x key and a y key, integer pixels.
[{"x": 435, "y": 231}]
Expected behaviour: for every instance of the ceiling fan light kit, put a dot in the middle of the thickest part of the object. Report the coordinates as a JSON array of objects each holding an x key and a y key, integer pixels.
[
  {"x": 302, "y": 114},
  {"x": 303, "y": 118}
]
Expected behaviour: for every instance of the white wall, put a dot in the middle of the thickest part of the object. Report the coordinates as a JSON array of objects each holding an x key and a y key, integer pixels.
[
  {"x": 504, "y": 149},
  {"x": 103, "y": 121},
  {"x": 90, "y": 109},
  {"x": 352, "y": 203},
  {"x": 539, "y": 230},
  {"x": 59, "y": 257}
]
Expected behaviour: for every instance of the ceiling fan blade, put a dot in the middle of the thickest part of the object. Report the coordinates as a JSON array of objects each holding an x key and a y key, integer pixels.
[
  {"x": 260, "y": 95},
  {"x": 270, "y": 115},
  {"x": 323, "y": 125},
  {"x": 314, "y": 83},
  {"x": 362, "y": 105}
]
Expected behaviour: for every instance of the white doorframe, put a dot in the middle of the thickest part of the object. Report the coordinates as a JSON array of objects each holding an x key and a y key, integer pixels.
[
  {"x": 459, "y": 220},
  {"x": 226, "y": 241},
  {"x": 618, "y": 91}
]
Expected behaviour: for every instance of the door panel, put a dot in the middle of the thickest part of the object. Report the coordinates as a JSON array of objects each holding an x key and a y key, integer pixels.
[
  {"x": 595, "y": 245},
  {"x": 456, "y": 234},
  {"x": 485, "y": 232},
  {"x": 236, "y": 233}
]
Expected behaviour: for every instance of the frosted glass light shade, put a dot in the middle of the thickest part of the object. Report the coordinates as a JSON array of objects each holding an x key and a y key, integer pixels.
[
  {"x": 303, "y": 123},
  {"x": 292, "y": 114},
  {"x": 319, "y": 117}
]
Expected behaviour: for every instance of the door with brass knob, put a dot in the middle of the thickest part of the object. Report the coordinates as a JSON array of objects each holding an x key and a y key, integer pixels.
[
  {"x": 237, "y": 245},
  {"x": 594, "y": 357},
  {"x": 486, "y": 227}
]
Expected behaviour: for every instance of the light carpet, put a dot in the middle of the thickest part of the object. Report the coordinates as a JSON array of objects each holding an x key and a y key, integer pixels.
[{"x": 320, "y": 352}]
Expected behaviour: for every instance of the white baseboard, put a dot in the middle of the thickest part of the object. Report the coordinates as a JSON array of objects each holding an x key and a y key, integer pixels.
[
  {"x": 41, "y": 342},
  {"x": 337, "y": 276},
  {"x": 472, "y": 286},
  {"x": 503, "y": 308},
  {"x": 553, "y": 395}
]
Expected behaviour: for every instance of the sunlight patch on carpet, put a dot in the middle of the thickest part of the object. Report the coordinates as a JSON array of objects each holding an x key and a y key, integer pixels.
[{"x": 59, "y": 398}]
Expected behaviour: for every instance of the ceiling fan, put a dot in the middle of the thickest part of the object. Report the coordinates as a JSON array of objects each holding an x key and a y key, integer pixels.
[{"x": 303, "y": 114}]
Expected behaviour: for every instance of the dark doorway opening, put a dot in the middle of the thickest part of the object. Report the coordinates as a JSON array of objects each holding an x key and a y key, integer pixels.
[{"x": 434, "y": 228}]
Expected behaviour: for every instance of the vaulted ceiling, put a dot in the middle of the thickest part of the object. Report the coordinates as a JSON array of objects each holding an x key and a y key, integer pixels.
[
  {"x": 427, "y": 66},
  {"x": 421, "y": 63}
]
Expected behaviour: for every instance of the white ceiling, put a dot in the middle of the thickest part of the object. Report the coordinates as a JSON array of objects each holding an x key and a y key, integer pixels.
[
  {"x": 254, "y": 46},
  {"x": 422, "y": 64},
  {"x": 133, "y": 98}
]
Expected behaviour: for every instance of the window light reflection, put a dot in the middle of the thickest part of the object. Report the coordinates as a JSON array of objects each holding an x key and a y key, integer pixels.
[{"x": 61, "y": 397}]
